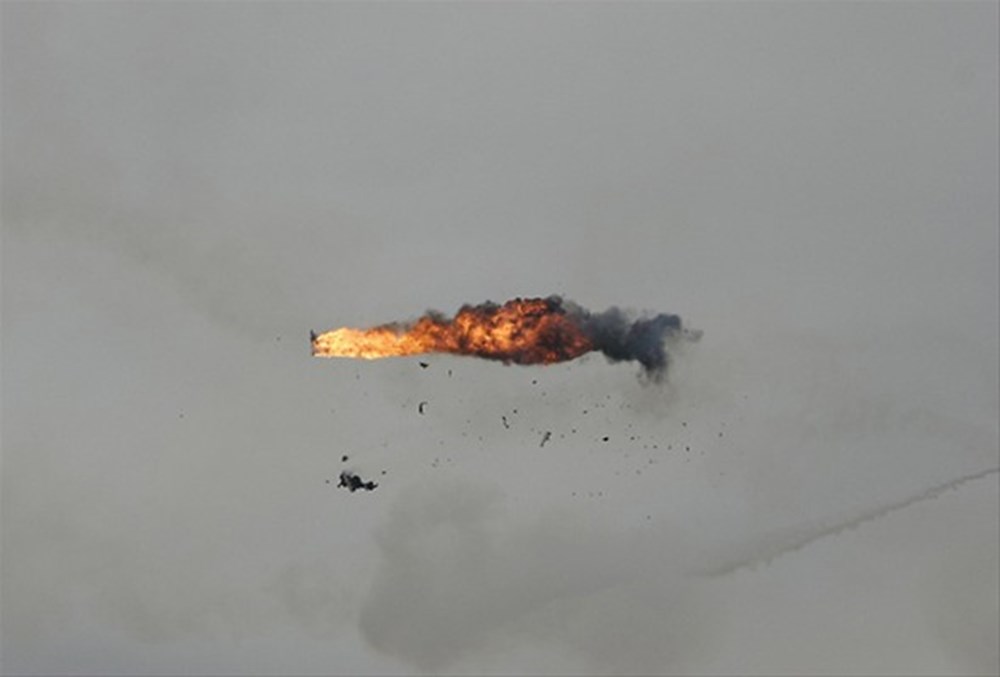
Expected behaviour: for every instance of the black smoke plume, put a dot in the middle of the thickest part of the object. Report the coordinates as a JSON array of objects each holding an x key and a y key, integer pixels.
[{"x": 623, "y": 338}]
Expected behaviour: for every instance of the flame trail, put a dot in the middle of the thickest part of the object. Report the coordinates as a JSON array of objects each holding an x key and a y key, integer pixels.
[{"x": 521, "y": 331}]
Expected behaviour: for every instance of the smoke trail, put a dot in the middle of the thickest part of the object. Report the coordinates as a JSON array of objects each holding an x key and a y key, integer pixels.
[{"x": 796, "y": 539}]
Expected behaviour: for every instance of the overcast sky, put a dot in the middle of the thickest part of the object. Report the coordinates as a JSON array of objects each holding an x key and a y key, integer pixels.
[{"x": 188, "y": 189}]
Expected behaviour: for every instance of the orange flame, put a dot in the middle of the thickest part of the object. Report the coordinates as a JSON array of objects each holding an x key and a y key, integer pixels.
[{"x": 523, "y": 331}]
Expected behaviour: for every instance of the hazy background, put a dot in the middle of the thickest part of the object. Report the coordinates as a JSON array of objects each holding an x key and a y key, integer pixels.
[{"x": 188, "y": 189}]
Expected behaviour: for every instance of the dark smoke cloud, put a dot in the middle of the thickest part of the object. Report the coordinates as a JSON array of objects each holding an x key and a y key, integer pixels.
[{"x": 622, "y": 338}]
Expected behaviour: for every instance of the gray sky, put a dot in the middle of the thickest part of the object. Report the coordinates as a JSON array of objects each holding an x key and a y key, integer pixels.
[{"x": 189, "y": 188}]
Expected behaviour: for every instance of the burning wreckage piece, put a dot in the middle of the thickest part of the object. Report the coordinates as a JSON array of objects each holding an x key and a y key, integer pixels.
[
  {"x": 521, "y": 331},
  {"x": 352, "y": 482}
]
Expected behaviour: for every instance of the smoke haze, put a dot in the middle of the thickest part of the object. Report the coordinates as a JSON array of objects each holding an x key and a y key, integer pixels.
[{"x": 187, "y": 188}]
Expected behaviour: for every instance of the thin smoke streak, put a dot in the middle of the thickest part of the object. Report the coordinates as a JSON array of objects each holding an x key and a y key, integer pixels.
[{"x": 818, "y": 533}]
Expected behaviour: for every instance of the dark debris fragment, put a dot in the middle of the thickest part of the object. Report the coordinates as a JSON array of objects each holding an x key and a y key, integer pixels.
[
  {"x": 423, "y": 365},
  {"x": 420, "y": 407},
  {"x": 352, "y": 482},
  {"x": 545, "y": 438}
]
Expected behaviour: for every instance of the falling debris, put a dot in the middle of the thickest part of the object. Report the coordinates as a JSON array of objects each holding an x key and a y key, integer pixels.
[
  {"x": 352, "y": 482},
  {"x": 521, "y": 331},
  {"x": 545, "y": 438},
  {"x": 423, "y": 365},
  {"x": 344, "y": 458},
  {"x": 605, "y": 438},
  {"x": 505, "y": 423},
  {"x": 420, "y": 407}
]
